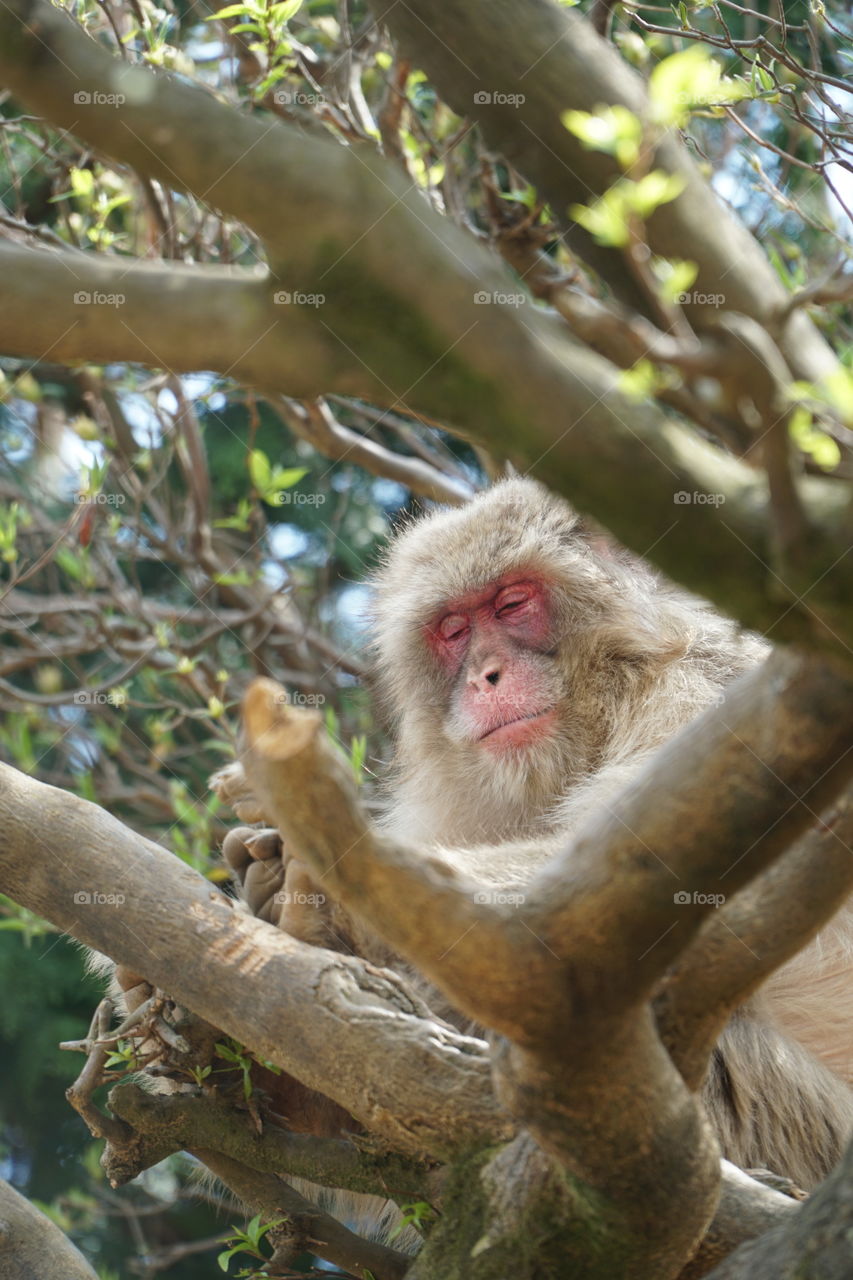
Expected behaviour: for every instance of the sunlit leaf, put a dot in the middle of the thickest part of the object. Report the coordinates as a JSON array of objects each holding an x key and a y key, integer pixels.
[
  {"x": 614, "y": 130},
  {"x": 688, "y": 80}
]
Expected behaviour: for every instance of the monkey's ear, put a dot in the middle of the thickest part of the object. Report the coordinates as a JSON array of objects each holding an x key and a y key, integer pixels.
[{"x": 597, "y": 538}]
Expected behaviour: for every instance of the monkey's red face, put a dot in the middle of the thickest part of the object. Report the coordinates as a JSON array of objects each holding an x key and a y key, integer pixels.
[{"x": 494, "y": 645}]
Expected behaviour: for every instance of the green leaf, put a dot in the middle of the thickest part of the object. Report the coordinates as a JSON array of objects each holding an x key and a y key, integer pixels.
[
  {"x": 70, "y": 562},
  {"x": 606, "y": 220},
  {"x": 688, "y": 80},
  {"x": 230, "y": 11},
  {"x": 763, "y": 76},
  {"x": 82, "y": 182},
  {"x": 287, "y": 477},
  {"x": 358, "y": 755},
  {"x": 640, "y": 381},
  {"x": 260, "y": 470},
  {"x": 614, "y": 130},
  {"x": 675, "y": 276},
  {"x": 654, "y": 189},
  {"x": 833, "y": 392},
  {"x": 817, "y": 444},
  {"x": 238, "y": 521},
  {"x": 839, "y": 393},
  {"x": 285, "y": 10}
]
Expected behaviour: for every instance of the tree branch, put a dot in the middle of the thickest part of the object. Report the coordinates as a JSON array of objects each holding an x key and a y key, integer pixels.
[
  {"x": 765, "y": 925},
  {"x": 32, "y": 1246},
  {"x": 353, "y": 1032},
  {"x": 747, "y": 1209},
  {"x": 307, "y": 1228},
  {"x": 188, "y": 1123},
  {"x": 400, "y": 322},
  {"x": 752, "y": 775},
  {"x": 547, "y": 59},
  {"x": 316, "y": 424},
  {"x": 815, "y": 1241}
]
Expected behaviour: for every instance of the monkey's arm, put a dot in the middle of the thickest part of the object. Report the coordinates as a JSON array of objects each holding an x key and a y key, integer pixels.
[{"x": 261, "y": 863}]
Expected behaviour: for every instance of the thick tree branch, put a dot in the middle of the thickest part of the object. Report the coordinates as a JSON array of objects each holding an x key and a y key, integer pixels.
[
  {"x": 764, "y": 925},
  {"x": 742, "y": 782},
  {"x": 547, "y": 59},
  {"x": 400, "y": 323},
  {"x": 79, "y": 306},
  {"x": 747, "y": 1209},
  {"x": 187, "y": 1123},
  {"x": 814, "y": 1242},
  {"x": 353, "y": 1032},
  {"x": 576, "y": 963},
  {"x": 32, "y": 1247}
]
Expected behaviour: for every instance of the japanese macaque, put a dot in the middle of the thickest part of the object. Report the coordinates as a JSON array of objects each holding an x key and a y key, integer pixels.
[{"x": 528, "y": 670}]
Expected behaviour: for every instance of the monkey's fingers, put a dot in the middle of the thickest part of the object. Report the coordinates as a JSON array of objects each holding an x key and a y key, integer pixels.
[
  {"x": 244, "y": 845},
  {"x": 256, "y": 858},
  {"x": 232, "y": 788},
  {"x": 301, "y": 905},
  {"x": 262, "y": 888},
  {"x": 278, "y": 888}
]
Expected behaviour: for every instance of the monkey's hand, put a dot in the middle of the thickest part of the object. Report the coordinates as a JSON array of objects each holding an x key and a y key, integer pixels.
[
  {"x": 231, "y": 786},
  {"x": 278, "y": 888}
]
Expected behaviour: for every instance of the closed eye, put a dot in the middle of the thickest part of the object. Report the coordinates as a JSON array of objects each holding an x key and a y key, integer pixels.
[
  {"x": 452, "y": 627},
  {"x": 511, "y": 600}
]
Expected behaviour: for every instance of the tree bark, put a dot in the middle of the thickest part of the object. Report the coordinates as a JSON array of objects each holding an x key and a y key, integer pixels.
[{"x": 32, "y": 1247}]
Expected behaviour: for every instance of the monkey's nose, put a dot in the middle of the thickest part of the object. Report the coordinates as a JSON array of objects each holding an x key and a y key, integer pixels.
[{"x": 483, "y": 674}]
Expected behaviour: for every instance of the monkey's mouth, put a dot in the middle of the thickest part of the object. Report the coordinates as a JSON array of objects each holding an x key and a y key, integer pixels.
[{"x": 522, "y": 731}]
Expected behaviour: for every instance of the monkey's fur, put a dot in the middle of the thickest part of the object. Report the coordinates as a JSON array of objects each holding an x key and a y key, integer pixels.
[{"x": 632, "y": 660}]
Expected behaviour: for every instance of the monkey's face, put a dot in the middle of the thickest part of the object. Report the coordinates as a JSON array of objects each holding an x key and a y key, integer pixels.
[{"x": 494, "y": 649}]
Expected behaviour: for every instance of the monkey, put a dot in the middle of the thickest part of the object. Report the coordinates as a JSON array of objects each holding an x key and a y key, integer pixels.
[{"x": 528, "y": 669}]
